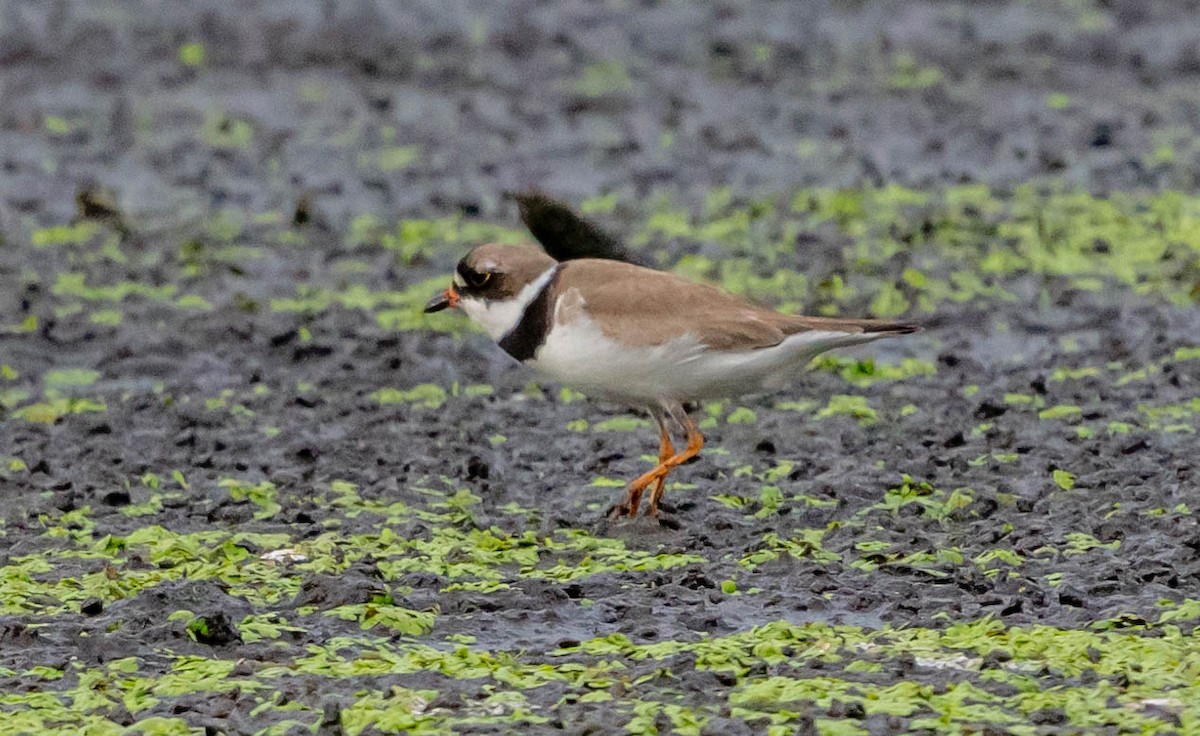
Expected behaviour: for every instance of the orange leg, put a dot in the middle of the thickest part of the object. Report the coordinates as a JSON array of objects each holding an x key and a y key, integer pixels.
[
  {"x": 665, "y": 452},
  {"x": 633, "y": 495},
  {"x": 658, "y": 475}
]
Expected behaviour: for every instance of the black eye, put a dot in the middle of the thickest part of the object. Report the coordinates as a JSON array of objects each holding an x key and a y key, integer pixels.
[{"x": 478, "y": 280}]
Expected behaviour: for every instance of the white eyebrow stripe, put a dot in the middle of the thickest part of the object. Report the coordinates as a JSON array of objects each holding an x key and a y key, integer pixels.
[{"x": 498, "y": 317}]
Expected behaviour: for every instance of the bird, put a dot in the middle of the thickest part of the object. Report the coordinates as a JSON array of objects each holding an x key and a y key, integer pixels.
[{"x": 639, "y": 336}]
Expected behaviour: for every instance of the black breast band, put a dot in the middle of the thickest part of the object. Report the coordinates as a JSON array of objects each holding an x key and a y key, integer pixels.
[{"x": 529, "y": 334}]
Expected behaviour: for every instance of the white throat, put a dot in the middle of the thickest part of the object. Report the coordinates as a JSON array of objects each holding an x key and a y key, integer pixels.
[{"x": 497, "y": 318}]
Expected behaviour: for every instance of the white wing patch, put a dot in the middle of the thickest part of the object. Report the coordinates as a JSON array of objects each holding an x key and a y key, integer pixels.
[{"x": 570, "y": 307}]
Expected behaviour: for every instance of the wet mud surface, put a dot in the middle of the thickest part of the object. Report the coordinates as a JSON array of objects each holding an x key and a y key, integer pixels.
[{"x": 247, "y": 487}]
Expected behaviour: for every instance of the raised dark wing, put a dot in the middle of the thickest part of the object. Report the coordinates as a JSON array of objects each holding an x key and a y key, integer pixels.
[{"x": 565, "y": 235}]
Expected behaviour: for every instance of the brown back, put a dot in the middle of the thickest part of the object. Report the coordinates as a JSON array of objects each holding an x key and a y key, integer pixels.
[{"x": 641, "y": 306}]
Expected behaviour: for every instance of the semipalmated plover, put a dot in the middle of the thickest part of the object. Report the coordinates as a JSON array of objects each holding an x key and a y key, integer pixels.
[{"x": 642, "y": 337}]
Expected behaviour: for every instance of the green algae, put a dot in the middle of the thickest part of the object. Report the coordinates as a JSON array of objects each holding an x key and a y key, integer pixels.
[
  {"x": 11, "y": 397},
  {"x": 262, "y": 494},
  {"x": 907, "y": 73},
  {"x": 474, "y": 551},
  {"x": 107, "y": 317},
  {"x": 384, "y": 613},
  {"x": 1061, "y": 411},
  {"x": 1074, "y": 374},
  {"x": 77, "y": 234},
  {"x": 850, "y": 406},
  {"x": 75, "y": 284},
  {"x": 981, "y": 695},
  {"x": 24, "y": 327},
  {"x": 426, "y": 395},
  {"x": 393, "y": 158},
  {"x": 1177, "y": 417},
  {"x": 393, "y": 310},
  {"x": 468, "y": 558},
  {"x": 1063, "y": 479},
  {"x": 965, "y": 237},
  {"x": 69, "y": 377},
  {"x": 56, "y": 408},
  {"x": 603, "y": 78},
  {"x": 191, "y": 54},
  {"x": 415, "y": 238},
  {"x": 866, "y": 372},
  {"x": 807, "y": 544},
  {"x": 964, "y": 243},
  {"x": 769, "y": 669},
  {"x": 741, "y": 415},
  {"x": 224, "y": 131}
]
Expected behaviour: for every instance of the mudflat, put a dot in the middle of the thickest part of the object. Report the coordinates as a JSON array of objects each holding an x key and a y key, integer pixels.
[{"x": 247, "y": 487}]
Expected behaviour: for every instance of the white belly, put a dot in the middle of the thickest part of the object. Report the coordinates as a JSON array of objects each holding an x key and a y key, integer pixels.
[{"x": 579, "y": 354}]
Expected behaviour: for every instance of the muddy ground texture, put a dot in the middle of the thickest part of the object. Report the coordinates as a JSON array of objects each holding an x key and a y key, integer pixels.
[{"x": 247, "y": 487}]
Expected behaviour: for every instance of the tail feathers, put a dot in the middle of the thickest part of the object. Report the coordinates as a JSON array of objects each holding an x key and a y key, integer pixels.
[
  {"x": 876, "y": 328},
  {"x": 890, "y": 328}
]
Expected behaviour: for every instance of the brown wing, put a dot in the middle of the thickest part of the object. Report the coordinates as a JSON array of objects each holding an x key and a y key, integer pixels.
[{"x": 641, "y": 306}]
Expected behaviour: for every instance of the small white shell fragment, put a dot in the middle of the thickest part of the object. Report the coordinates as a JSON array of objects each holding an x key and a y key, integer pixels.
[{"x": 286, "y": 555}]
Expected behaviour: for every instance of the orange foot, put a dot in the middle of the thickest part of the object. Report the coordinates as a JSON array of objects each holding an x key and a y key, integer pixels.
[{"x": 667, "y": 461}]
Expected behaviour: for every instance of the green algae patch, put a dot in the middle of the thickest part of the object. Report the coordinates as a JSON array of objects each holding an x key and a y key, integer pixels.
[
  {"x": 392, "y": 310},
  {"x": 24, "y": 327},
  {"x": 979, "y": 693},
  {"x": 965, "y": 240},
  {"x": 52, "y": 410},
  {"x": 77, "y": 234},
  {"x": 964, "y": 244},
  {"x": 867, "y": 372},
  {"x": 426, "y": 395},
  {"x": 473, "y": 390},
  {"x": 75, "y": 284},
  {"x": 577, "y": 555},
  {"x": 107, "y": 317},
  {"x": 191, "y": 54},
  {"x": 262, "y": 494},
  {"x": 1063, "y": 479},
  {"x": 394, "y": 158},
  {"x": 1074, "y": 374},
  {"x": 416, "y": 238},
  {"x": 846, "y": 405},
  {"x": 398, "y": 710},
  {"x": 224, "y": 131},
  {"x": 1061, "y": 411},
  {"x": 55, "y": 404},
  {"x": 1178, "y": 417},
  {"x": 70, "y": 377},
  {"x": 604, "y": 78},
  {"x": 767, "y": 677},
  {"x": 741, "y": 415},
  {"x": 906, "y": 73},
  {"x": 384, "y": 613},
  {"x": 378, "y": 585},
  {"x": 806, "y": 545},
  {"x": 491, "y": 559}
]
